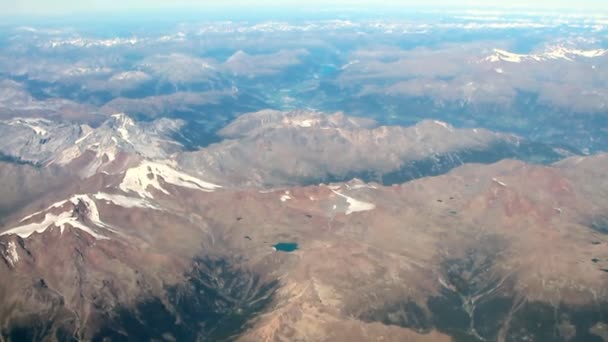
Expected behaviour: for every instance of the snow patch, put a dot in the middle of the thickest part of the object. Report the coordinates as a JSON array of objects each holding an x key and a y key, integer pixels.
[
  {"x": 552, "y": 53},
  {"x": 68, "y": 155},
  {"x": 347, "y": 65},
  {"x": 52, "y": 206},
  {"x": 148, "y": 173},
  {"x": 93, "y": 214},
  {"x": 88, "y": 133},
  {"x": 12, "y": 255},
  {"x": 499, "y": 182},
  {"x": 130, "y": 76},
  {"x": 306, "y": 123},
  {"x": 355, "y": 205},
  {"x": 62, "y": 220},
  {"x": 33, "y": 124},
  {"x": 298, "y": 122},
  {"x": 110, "y": 154},
  {"x": 92, "y": 42},
  {"x": 124, "y": 201},
  {"x": 123, "y": 122},
  {"x": 285, "y": 196},
  {"x": 502, "y": 55},
  {"x": 38, "y": 130},
  {"x": 360, "y": 186},
  {"x": 443, "y": 124}
]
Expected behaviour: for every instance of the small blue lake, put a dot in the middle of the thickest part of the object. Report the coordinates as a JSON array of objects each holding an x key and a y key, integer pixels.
[{"x": 286, "y": 246}]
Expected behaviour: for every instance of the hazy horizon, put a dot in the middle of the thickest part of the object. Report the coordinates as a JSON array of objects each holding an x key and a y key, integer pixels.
[{"x": 67, "y": 7}]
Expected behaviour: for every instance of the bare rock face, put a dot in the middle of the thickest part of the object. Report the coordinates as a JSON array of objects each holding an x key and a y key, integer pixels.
[
  {"x": 271, "y": 148},
  {"x": 36, "y": 140},
  {"x": 21, "y": 183}
]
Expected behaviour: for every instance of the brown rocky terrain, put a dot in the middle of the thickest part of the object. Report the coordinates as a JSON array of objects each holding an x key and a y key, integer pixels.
[
  {"x": 275, "y": 148},
  {"x": 507, "y": 251}
]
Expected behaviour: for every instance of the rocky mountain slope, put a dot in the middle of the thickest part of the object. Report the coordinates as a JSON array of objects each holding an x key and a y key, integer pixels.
[
  {"x": 22, "y": 183},
  {"x": 476, "y": 254},
  {"x": 161, "y": 244},
  {"x": 89, "y": 150},
  {"x": 271, "y": 148}
]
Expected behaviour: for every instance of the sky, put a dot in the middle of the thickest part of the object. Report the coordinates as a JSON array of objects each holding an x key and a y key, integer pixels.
[{"x": 59, "y": 7}]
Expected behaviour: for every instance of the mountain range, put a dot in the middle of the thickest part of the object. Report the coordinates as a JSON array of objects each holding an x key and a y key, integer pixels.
[{"x": 141, "y": 227}]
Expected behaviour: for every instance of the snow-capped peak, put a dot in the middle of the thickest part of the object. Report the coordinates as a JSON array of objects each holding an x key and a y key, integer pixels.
[
  {"x": 122, "y": 119},
  {"x": 130, "y": 76},
  {"x": 78, "y": 212},
  {"x": 236, "y": 56},
  {"x": 123, "y": 122},
  {"x": 120, "y": 133},
  {"x": 558, "y": 52},
  {"x": 38, "y": 125}
]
